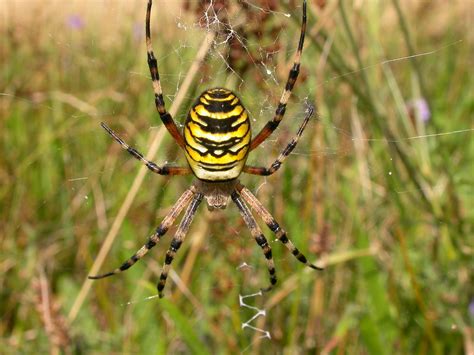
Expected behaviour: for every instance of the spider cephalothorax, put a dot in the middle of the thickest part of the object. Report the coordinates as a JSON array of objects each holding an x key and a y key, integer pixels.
[{"x": 216, "y": 140}]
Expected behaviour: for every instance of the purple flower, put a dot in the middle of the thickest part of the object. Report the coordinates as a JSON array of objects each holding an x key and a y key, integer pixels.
[
  {"x": 138, "y": 32},
  {"x": 418, "y": 108},
  {"x": 471, "y": 308},
  {"x": 75, "y": 22}
]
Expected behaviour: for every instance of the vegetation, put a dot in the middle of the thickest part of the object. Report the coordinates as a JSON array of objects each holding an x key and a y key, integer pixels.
[{"x": 379, "y": 190}]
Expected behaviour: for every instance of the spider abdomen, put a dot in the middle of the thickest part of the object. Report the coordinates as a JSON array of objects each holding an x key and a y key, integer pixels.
[{"x": 217, "y": 136}]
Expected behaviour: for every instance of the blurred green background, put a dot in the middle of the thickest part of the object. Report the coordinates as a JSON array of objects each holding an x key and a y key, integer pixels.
[{"x": 379, "y": 190}]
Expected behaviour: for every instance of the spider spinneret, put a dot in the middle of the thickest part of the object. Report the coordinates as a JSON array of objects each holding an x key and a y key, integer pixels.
[{"x": 216, "y": 140}]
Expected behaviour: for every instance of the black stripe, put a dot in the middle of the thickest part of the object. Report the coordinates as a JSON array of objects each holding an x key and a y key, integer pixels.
[
  {"x": 302, "y": 258},
  {"x": 155, "y": 167},
  {"x": 129, "y": 263},
  {"x": 218, "y": 93},
  {"x": 268, "y": 253},
  {"x": 211, "y": 165},
  {"x": 213, "y": 125},
  {"x": 280, "y": 111},
  {"x": 215, "y": 169},
  {"x": 276, "y": 165},
  {"x": 169, "y": 258},
  {"x": 203, "y": 155},
  {"x": 292, "y": 77},
  {"x": 218, "y": 125},
  {"x": 206, "y": 166},
  {"x": 150, "y": 244},
  {"x": 135, "y": 153},
  {"x": 226, "y": 151},
  {"x": 210, "y": 144},
  {"x": 175, "y": 245},
  {"x": 153, "y": 65},
  {"x": 159, "y": 100},
  {"x": 261, "y": 240},
  {"x": 274, "y": 227},
  {"x": 210, "y": 151},
  {"x": 218, "y": 106},
  {"x": 220, "y": 144},
  {"x": 161, "y": 230}
]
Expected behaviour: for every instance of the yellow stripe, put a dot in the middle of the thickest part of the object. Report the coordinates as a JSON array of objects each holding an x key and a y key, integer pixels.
[
  {"x": 192, "y": 142},
  {"x": 219, "y": 90},
  {"x": 201, "y": 110},
  {"x": 203, "y": 100},
  {"x": 196, "y": 131},
  {"x": 193, "y": 154},
  {"x": 211, "y": 160},
  {"x": 228, "y": 98},
  {"x": 245, "y": 141},
  {"x": 243, "y": 117},
  {"x": 196, "y": 119},
  {"x": 199, "y": 153},
  {"x": 189, "y": 138}
]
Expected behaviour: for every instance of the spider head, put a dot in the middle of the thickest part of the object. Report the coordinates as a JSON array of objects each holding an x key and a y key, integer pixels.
[{"x": 217, "y": 194}]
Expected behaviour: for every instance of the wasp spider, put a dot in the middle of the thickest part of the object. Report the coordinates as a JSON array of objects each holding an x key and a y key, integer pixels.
[{"x": 216, "y": 140}]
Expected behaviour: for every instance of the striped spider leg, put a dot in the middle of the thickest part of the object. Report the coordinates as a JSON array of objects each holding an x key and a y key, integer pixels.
[
  {"x": 161, "y": 170},
  {"x": 258, "y": 236},
  {"x": 178, "y": 240},
  {"x": 242, "y": 192},
  {"x": 167, "y": 222},
  {"x": 256, "y": 170},
  {"x": 290, "y": 83},
  {"x": 272, "y": 224},
  {"x": 165, "y": 116}
]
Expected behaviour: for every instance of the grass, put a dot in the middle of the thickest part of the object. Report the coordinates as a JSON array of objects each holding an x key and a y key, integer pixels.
[{"x": 378, "y": 196}]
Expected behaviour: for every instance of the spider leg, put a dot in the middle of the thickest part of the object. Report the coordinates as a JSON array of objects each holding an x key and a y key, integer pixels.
[
  {"x": 155, "y": 77},
  {"x": 167, "y": 222},
  {"x": 258, "y": 236},
  {"x": 255, "y": 170},
  {"x": 162, "y": 170},
  {"x": 178, "y": 240},
  {"x": 273, "y": 225},
  {"x": 290, "y": 83}
]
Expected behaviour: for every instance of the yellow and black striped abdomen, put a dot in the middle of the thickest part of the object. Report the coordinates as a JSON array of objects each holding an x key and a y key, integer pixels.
[{"x": 217, "y": 136}]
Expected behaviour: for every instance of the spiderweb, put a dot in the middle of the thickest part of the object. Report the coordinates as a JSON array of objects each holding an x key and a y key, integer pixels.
[{"x": 251, "y": 53}]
